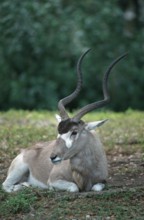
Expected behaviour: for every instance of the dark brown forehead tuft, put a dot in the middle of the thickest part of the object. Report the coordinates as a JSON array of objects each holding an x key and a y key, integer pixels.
[{"x": 66, "y": 125}]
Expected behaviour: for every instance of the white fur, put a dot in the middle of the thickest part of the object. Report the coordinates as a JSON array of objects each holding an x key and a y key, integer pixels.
[
  {"x": 57, "y": 159},
  {"x": 67, "y": 138},
  {"x": 98, "y": 187},
  {"x": 15, "y": 175},
  {"x": 58, "y": 118},
  {"x": 93, "y": 125},
  {"x": 63, "y": 185}
]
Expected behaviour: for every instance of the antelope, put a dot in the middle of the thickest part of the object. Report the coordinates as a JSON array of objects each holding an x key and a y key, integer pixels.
[{"x": 76, "y": 160}]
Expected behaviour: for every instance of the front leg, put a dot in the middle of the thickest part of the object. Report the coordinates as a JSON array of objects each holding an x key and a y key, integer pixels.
[{"x": 63, "y": 185}]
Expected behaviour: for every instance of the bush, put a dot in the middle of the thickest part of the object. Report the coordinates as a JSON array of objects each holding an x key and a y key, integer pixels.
[{"x": 41, "y": 41}]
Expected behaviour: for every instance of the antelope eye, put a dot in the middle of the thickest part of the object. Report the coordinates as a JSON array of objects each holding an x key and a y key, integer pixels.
[{"x": 74, "y": 133}]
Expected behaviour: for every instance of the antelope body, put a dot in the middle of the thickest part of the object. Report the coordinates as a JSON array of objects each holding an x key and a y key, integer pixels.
[{"x": 75, "y": 161}]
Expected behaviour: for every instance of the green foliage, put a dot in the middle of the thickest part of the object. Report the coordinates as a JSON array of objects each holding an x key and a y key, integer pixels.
[
  {"x": 17, "y": 202},
  {"x": 41, "y": 41}
]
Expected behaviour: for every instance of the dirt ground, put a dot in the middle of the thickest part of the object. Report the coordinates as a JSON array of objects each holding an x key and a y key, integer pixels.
[{"x": 126, "y": 170}]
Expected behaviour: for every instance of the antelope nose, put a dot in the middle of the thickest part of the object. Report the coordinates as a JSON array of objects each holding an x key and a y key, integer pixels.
[{"x": 53, "y": 157}]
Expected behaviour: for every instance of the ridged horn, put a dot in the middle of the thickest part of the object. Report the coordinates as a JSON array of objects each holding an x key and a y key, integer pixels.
[
  {"x": 63, "y": 102},
  {"x": 99, "y": 104}
]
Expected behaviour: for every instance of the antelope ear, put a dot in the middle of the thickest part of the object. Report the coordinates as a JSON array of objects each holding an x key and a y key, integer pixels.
[
  {"x": 92, "y": 125},
  {"x": 58, "y": 118}
]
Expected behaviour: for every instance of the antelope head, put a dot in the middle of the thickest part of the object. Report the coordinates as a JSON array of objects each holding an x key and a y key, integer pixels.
[{"x": 74, "y": 133}]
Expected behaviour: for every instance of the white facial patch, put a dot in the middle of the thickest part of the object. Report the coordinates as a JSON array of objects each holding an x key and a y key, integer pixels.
[{"x": 67, "y": 138}]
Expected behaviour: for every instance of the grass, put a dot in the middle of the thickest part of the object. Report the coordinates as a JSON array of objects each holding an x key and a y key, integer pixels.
[
  {"x": 124, "y": 143},
  {"x": 34, "y": 204},
  {"x": 16, "y": 203}
]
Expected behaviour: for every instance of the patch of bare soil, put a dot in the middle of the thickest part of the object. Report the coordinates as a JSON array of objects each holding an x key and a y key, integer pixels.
[{"x": 126, "y": 170}]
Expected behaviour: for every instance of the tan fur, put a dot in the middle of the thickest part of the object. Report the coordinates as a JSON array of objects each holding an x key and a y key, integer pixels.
[{"x": 86, "y": 168}]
